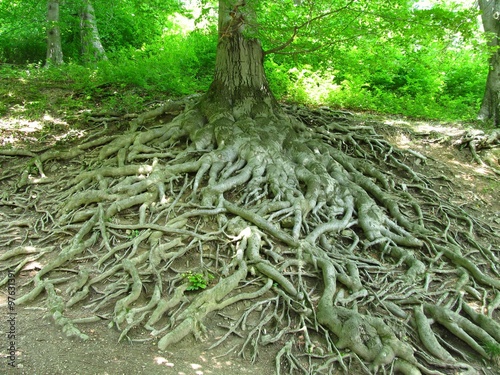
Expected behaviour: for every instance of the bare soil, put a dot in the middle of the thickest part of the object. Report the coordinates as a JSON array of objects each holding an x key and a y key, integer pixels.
[{"x": 43, "y": 349}]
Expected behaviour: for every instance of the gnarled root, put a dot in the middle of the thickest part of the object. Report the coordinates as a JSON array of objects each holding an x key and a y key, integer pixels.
[{"x": 345, "y": 251}]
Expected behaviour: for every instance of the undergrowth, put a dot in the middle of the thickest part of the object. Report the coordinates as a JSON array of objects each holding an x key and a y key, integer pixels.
[
  {"x": 179, "y": 65},
  {"x": 451, "y": 90}
]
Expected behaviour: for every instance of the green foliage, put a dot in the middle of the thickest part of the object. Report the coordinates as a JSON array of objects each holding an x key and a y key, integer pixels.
[
  {"x": 395, "y": 58},
  {"x": 22, "y": 35},
  {"x": 175, "y": 64},
  {"x": 435, "y": 81},
  {"x": 121, "y": 24},
  {"x": 133, "y": 233},
  {"x": 278, "y": 76},
  {"x": 197, "y": 281}
]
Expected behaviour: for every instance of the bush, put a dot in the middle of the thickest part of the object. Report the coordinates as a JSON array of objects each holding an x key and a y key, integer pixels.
[
  {"x": 434, "y": 82},
  {"x": 176, "y": 64}
]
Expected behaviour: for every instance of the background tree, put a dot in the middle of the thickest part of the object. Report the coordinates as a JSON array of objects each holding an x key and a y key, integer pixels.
[
  {"x": 92, "y": 49},
  {"x": 54, "y": 47},
  {"x": 490, "y": 15}
]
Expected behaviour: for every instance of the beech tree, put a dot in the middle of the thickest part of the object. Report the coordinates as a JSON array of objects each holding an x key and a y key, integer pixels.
[
  {"x": 54, "y": 48},
  {"x": 347, "y": 254},
  {"x": 490, "y": 16},
  {"x": 91, "y": 46},
  {"x": 92, "y": 49}
]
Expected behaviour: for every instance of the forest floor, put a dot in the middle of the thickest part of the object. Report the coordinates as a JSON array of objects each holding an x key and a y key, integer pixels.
[{"x": 47, "y": 115}]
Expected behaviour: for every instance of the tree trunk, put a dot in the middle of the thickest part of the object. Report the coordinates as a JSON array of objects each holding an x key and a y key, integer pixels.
[
  {"x": 92, "y": 49},
  {"x": 490, "y": 15},
  {"x": 54, "y": 49},
  {"x": 239, "y": 80}
]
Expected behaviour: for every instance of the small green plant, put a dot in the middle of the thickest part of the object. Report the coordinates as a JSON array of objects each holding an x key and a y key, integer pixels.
[
  {"x": 197, "y": 281},
  {"x": 32, "y": 169},
  {"x": 133, "y": 233}
]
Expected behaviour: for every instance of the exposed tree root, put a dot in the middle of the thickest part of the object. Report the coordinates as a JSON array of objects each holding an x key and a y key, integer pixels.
[
  {"x": 330, "y": 244},
  {"x": 476, "y": 141}
]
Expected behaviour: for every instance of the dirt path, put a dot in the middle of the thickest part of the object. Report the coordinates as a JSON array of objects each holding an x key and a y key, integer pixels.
[{"x": 43, "y": 349}]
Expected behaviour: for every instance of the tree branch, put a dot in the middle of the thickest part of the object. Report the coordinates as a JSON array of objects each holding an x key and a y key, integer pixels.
[{"x": 307, "y": 23}]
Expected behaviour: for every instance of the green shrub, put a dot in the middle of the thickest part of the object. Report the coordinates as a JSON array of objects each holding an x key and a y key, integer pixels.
[
  {"x": 177, "y": 65},
  {"x": 197, "y": 281},
  {"x": 278, "y": 77},
  {"x": 433, "y": 82}
]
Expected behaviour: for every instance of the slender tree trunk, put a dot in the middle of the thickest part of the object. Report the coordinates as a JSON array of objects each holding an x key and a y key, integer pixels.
[
  {"x": 54, "y": 49},
  {"x": 490, "y": 15},
  {"x": 92, "y": 49},
  {"x": 239, "y": 81}
]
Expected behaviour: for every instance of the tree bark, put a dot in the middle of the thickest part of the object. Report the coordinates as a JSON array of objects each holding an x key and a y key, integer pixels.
[
  {"x": 490, "y": 15},
  {"x": 239, "y": 80},
  {"x": 92, "y": 49},
  {"x": 54, "y": 49}
]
